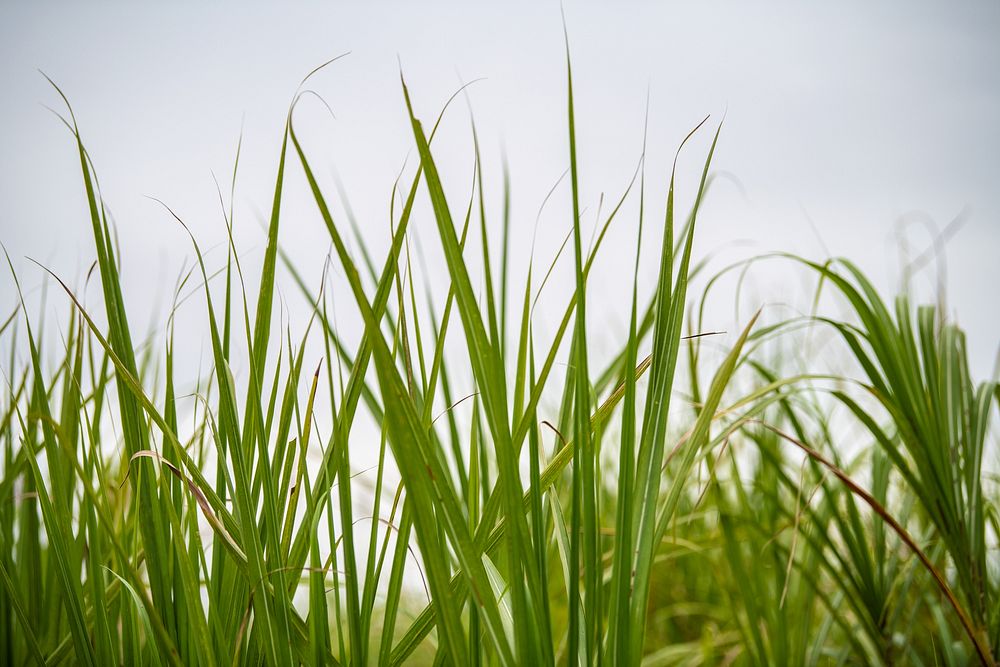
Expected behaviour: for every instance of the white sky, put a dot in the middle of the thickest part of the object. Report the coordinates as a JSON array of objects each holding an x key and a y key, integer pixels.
[{"x": 840, "y": 119}]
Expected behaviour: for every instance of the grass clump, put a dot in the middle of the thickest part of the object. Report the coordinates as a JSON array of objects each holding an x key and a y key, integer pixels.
[{"x": 674, "y": 506}]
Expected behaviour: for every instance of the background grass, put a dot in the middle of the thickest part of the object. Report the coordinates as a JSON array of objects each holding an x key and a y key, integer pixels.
[{"x": 686, "y": 503}]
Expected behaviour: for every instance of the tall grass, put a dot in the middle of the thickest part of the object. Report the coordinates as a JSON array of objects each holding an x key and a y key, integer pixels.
[{"x": 679, "y": 505}]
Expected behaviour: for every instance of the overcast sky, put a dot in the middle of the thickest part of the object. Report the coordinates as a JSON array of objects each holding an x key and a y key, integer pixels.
[{"x": 841, "y": 119}]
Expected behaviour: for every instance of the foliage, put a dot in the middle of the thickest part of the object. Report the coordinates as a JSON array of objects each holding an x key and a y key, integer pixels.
[{"x": 648, "y": 517}]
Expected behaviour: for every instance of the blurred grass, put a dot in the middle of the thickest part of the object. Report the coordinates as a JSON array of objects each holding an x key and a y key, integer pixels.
[{"x": 732, "y": 508}]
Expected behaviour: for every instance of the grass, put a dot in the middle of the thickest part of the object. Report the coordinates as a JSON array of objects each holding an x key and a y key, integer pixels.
[{"x": 679, "y": 505}]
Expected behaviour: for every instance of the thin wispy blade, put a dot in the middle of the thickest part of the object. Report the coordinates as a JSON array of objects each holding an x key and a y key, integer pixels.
[{"x": 321, "y": 67}]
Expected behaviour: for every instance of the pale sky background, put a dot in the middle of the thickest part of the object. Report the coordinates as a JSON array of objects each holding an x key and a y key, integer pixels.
[{"x": 841, "y": 119}]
